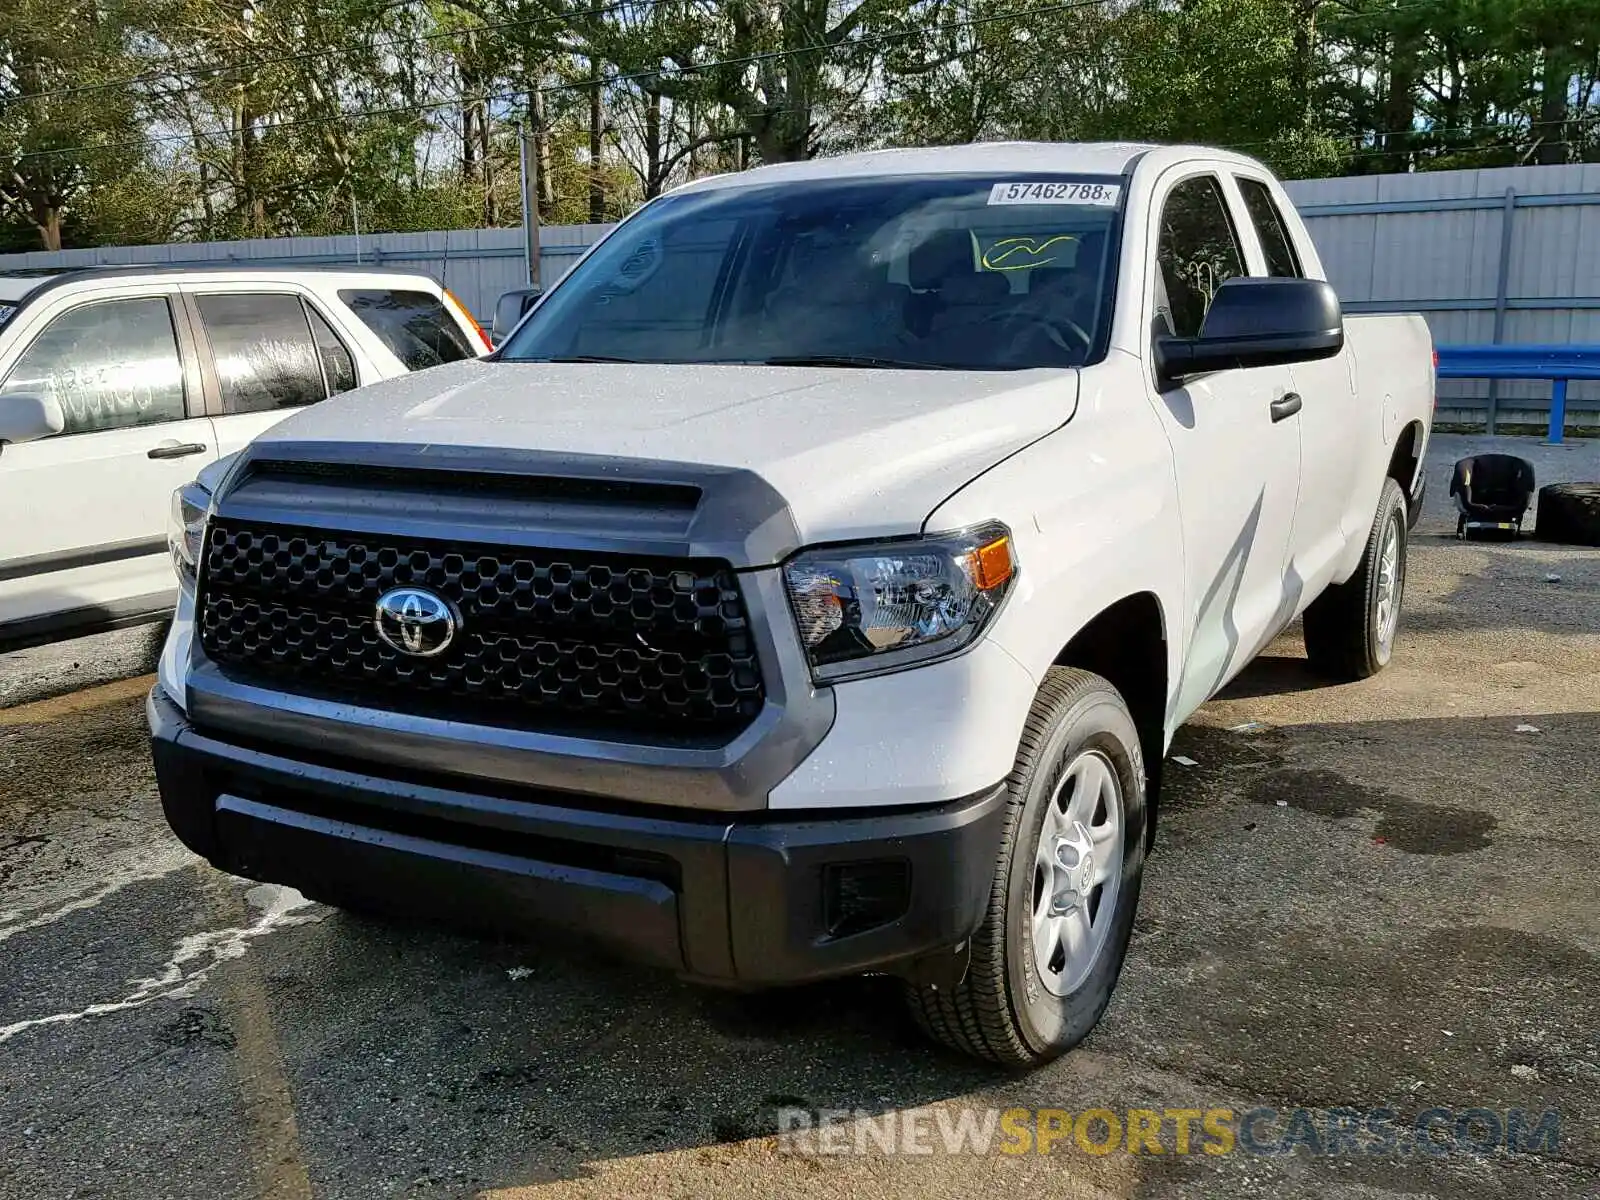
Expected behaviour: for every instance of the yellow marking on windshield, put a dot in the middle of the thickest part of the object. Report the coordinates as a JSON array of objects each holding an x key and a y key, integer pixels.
[{"x": 994, "y": 258}]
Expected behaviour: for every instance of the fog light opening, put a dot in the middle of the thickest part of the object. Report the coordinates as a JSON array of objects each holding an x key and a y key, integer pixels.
[{"x": 860, "y": 896}]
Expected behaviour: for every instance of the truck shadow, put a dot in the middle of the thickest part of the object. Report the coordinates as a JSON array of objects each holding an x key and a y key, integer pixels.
[{"x": 1273, "y": 675}]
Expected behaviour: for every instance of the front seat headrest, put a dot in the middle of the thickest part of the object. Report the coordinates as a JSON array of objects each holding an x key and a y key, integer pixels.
[{"x": 943, "y": 254}]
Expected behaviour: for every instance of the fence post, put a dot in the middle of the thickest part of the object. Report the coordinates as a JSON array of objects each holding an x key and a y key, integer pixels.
[
  {"x": 1558, "y": 411},
  {"x": 1508, "y": 218}
]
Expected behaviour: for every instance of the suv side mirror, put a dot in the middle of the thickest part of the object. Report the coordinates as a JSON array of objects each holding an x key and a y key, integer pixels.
[
  {"x": 29, "y": 416},
  {"x": 1258, "y": 323},
  {"x": 511, "y": 308}
]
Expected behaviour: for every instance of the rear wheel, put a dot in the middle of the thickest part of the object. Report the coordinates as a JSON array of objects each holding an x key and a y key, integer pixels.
[
  {"x": 1066, "y": 884},
  {"x": 1350, "y": 628}
]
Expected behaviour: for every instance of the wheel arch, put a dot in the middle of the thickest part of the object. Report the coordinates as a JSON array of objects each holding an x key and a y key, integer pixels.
[
  {"x": 1126, "y": 644},
  {"x": 1406, "y": 461}
]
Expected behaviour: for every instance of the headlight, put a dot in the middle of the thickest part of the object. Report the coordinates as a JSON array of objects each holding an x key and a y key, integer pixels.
[
  {"x": 186, "y": 531},
  {"x": 868, "y": 608}
]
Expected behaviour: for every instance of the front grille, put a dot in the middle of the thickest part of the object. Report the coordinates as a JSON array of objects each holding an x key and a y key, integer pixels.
[{"x": 547, "y": 639}]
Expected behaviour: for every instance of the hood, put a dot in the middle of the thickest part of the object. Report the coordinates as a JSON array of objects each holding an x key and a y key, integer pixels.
[{"x": 855, "y": 453}]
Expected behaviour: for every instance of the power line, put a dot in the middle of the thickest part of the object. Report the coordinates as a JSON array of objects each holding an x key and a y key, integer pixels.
[{"x": 1441, "y": 131}]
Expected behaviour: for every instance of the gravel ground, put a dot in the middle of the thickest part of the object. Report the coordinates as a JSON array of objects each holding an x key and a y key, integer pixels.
[{"x": 1383, "y": 895}]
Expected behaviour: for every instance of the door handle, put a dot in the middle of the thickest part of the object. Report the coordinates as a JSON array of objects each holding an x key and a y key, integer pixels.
[
  {"x": 175, "y": 450},
  {"x": 1285, "y": 406}
]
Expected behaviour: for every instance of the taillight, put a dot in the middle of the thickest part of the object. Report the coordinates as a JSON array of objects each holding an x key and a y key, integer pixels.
[{"x": 466, "y": 316}]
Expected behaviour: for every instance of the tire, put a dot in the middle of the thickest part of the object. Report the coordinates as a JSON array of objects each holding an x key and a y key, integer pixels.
[
  {"x": 1008, "y": 1009},
  {"x": 1569, "y": 512},
  {"x": 1350, "y": 628}
]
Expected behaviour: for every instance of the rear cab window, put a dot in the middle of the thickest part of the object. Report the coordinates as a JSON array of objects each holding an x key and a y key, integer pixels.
[{"x": 416, "y": 326}]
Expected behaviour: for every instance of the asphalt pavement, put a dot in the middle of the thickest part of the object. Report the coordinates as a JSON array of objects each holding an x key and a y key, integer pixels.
[{"x": 1376, "y": 897}]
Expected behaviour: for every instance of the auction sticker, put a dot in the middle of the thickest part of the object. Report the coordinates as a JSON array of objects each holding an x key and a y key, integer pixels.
[{"x": 1104, "y": 194}]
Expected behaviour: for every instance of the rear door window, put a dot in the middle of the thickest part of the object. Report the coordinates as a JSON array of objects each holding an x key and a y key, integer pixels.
[
  {"x": 1275, "y": 242},
  {"x": 416, "y": 326},
  {"x": 265, "y": 356},
  {"x": 111, "y": 365}
]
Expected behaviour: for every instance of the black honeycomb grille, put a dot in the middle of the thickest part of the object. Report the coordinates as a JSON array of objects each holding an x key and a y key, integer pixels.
[{"x": 547, "y": 639}]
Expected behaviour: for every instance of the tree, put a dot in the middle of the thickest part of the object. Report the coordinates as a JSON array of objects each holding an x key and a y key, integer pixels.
[
  {"x": 59, "y": 139},
  {"x": 154, "y": 119}
]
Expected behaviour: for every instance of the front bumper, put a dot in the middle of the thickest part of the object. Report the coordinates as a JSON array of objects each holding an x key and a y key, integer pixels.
[{"x": 751, "y": 902}]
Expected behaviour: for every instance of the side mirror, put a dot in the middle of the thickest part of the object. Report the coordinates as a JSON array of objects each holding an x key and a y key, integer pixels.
[
  {"x": 29, "y": 416},
  {"x": 510, "y": 309},
  {"x": 1258, "y": 323}
]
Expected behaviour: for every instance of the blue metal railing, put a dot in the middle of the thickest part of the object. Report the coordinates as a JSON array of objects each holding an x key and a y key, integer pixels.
[{"x": 1560, "y": 364}]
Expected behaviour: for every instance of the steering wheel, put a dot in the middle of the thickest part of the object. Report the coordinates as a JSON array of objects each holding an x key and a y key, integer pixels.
[{"x": 1051, "y": 329}]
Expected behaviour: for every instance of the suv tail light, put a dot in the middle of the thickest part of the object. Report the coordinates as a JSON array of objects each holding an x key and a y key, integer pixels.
[{"x": 466, "y": 316}]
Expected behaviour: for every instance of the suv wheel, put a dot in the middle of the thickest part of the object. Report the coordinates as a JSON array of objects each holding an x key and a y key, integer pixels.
[
  {"x": 1045, "y": 960},
  {"x": 1350, "y": 628}
]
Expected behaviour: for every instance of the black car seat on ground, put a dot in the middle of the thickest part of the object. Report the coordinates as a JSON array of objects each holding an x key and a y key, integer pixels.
[
  {"x": 1569, "y": 512},
  {"x": 1491, "y": 492}
]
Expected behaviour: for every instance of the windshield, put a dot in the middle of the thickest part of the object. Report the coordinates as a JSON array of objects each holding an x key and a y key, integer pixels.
[{"x": 911, "y": 271}]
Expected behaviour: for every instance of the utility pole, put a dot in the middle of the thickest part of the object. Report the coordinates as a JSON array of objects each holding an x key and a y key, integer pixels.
[{"x": 530, "y": 202}]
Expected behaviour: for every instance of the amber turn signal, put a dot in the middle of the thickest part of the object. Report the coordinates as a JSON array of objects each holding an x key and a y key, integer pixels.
[{"x": 991, "y": 563}]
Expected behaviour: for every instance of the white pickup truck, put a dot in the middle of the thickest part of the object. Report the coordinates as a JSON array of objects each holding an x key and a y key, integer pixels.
[{"x": 813, "y": 581}]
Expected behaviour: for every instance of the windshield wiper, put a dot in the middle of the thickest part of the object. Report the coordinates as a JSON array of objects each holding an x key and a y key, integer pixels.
[
  {"x": 850, "y": 360},
  {"x": 580, "y": 358}
]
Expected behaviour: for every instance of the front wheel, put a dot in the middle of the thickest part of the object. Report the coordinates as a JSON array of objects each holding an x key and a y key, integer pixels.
[
  {"x": 1350, "y": 628},
  {"x": 1045, "y": 960}
]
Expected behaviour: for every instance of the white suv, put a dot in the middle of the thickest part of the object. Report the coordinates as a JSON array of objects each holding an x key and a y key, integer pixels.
[{"x": 117, "y": 385}]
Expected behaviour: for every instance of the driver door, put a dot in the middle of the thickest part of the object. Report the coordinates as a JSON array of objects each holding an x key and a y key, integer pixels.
[{"x": 1237, "y": 459}]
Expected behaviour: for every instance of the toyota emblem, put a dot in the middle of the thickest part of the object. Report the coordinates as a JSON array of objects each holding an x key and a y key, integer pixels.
[{"x": 415, "y": 622}]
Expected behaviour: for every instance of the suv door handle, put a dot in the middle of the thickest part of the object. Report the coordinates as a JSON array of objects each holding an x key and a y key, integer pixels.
[
  {"x": 1285, "y": 406},
  {"x": 175, "y": 450}
]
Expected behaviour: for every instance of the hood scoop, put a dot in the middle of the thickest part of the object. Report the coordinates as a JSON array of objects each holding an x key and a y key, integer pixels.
[{"x": 517, "y": 498}]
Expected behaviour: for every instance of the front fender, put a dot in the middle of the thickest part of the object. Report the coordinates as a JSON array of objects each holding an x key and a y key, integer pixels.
[{"x": 1094, "y": 515}]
